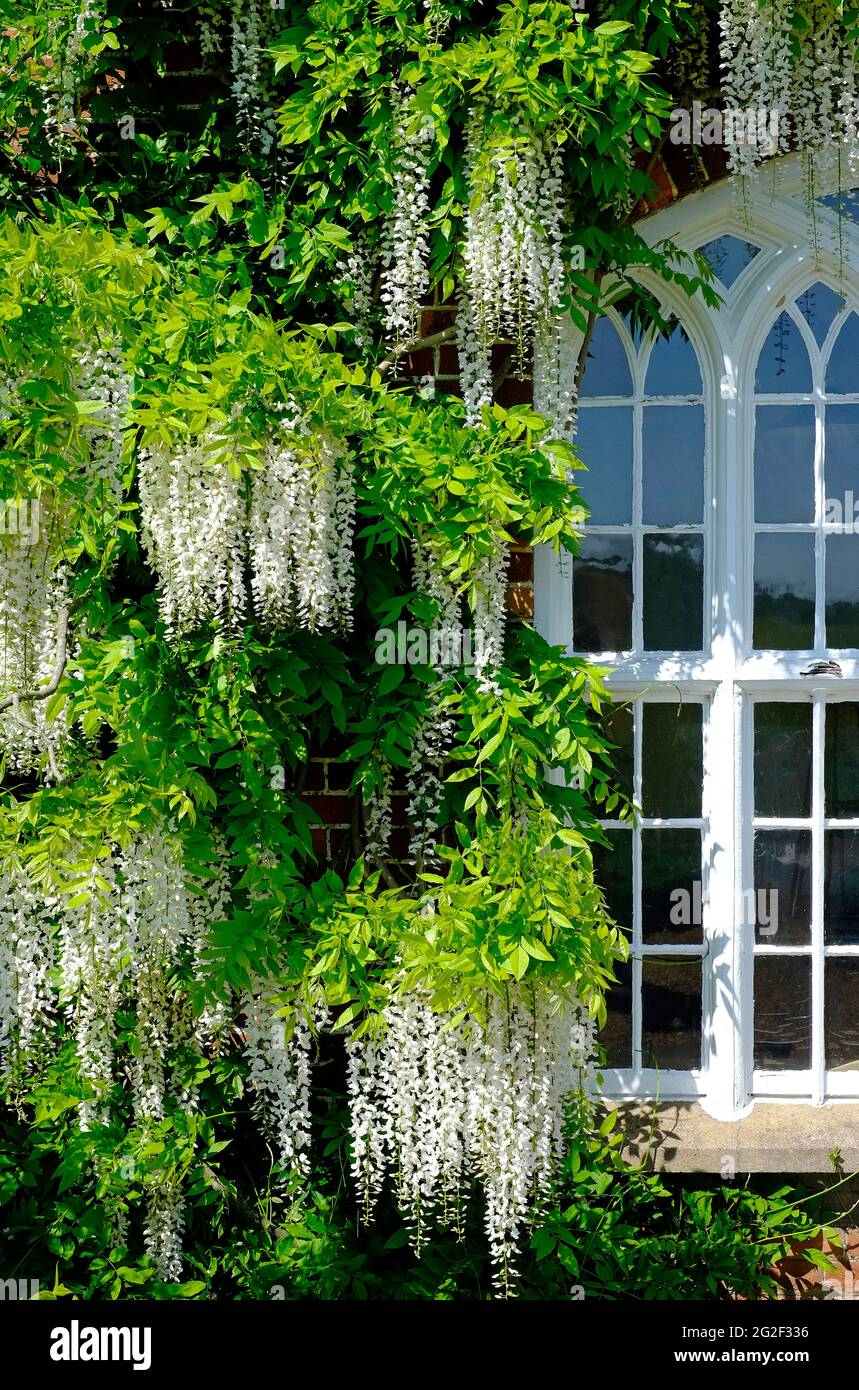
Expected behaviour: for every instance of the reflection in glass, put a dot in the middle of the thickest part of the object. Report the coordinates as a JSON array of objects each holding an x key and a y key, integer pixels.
[
  {"x": 841, "y": 463},
  {"x": 784, "y": 592},
  {"x": 840, "y": 1014},
  {"x": 841, "y": 887},
  {"x": 672, "y": 759},
  {"x": 782, "y": 1013},
  {"x": 783, "y": 759},
  {"x": 671, "y": 893},
  {"x": 617, "y": 726},
  {"x": 613, "y": 873},
  {"x": 604, "y": 443},
  {"x": 673, "y": 593},
  {"x": 602, "y": 594},
  {"x": 784, "y": 463},
  {"x": 783, "y": 364},
  {"x": 841, "y": 760},
  {"x": 673, "y": 465},
  {"x": 842, "y": 591},
  {"x": 728, "y": 257},
  {"x": 819, "y": 306},
  {"x": 842, "y": 373},
  {"x": 607, "y": 368},
  {"x": 671, "y": 1014},
  {"x": 672, "y": 369},
  {"x": 616, "y": 1037},
  {"x": 781, "y": 913}
]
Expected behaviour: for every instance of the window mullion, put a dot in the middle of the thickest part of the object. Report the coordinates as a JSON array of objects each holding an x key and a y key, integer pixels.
[{"x": 818, "y": 1082}]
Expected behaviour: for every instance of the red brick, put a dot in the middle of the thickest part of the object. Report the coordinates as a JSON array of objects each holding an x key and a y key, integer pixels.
[
  {"x": 333, "y": 810},
  {"x": 521, "y": 567},
  {"x": 520, "y": 600},
  {"x": 340, "y": 776}
]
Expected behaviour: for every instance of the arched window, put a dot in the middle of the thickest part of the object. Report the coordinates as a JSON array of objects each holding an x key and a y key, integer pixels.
[{"x": 718, "y": 576}]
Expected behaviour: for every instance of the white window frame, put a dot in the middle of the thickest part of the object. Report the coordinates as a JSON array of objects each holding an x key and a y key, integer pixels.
[{"x": 728, "y": 672}]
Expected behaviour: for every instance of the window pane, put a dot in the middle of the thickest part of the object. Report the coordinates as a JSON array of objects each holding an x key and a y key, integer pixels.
[
  {"x": 616, "y": 1037},
  {"x": 841, "y": 1016},
  {"x": 783, "y": 759},
  {"x": 602, "y": 594},
  {"x": 671, "y": 1015},
  {"x": 604, "y": 441},
  {"x": 841, "y": 760},
  {"x": 671, "y": 895},
  {"x": 673, "y": 593},
  {"x": 782, "y": 1013},
  {"x": 728, "y": 257},
  {"x": 784, "y": 463},
  {"x": 673, "y": 448},
  {"x": 613, "y": 873},
  {"x": 842, "y": 374},
  {"x": 617, "y": 726},
  {"x": 607, "y": 368},
  {"x": 783, "y": 364},
  {"x": 841, "y": 463},
  {"x": 842, "y": 591},
  {"x": 781, "y": 912},
  {"x": 784, "y": 592},
  {"x": 673, "y": 367},
  {"x": 819, "y": 306},
  {"x": 673, "y": 759},
  {"x": 841, "y": 887}
]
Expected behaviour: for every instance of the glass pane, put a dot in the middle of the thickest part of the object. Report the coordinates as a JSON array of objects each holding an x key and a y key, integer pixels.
[
  {"x": 841, "y": 464},
  {"x": 819, "y": 306},
  {"x": 607, "y": 368},
  {"x": 783, "y": 759},
  {"x": 841, "y": 887},
  {"x": 782, "y": 1013},
  {"x": 673, "y": 482},
  {"x": 728, "y": 257},
  {"x": 671, "y": 1015},
  {"x": 673, "y": 759},
  {"x": 673, "y": 593},
  {"x": 602, "y": 594},
  {"x": 842, "y": 591},
  {"x": 673, "y": 367},
  {"x": 671, "y": 894},
  {"x": 841, "y": 760},
  {"x": 784, "y": 592},
  {"x": 783, "y": 364},
  {"x": 781, "y": 910},
  {"x": 841, "y": 1015},
  {"x": 784, "y": 463},
  {"x": 617, "y": 726},
  {"x": 616, "y": 1037},
  {"x": 604, "y": 441},
  {"x": 842, "y": 374},
  {"x": 613, "y": 873}
]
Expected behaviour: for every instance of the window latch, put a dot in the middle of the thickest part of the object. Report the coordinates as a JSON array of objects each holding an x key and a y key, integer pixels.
[{"x": 822, "y": 668}]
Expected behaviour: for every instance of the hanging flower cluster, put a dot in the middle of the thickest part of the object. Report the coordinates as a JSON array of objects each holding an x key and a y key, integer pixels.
[
  {"x": 192, "y": 527},
  {"x": 425, "y": 779},
  {"x": 102, "y": 376},
  {"x": 302, "y": 518},
  {"x": 293, "y": 522},
  {"x": 690, "y": 57},
  {"x": 32, "y": 604},
  {"x": 810, "y": 95},
  {"x": 279, "y": 1069},
  {"x": 436, "y": 1104},
  {"x": 489, "y": 612},
  {"x": 124, "y": 938},
  {"x": 378, "y": 811},
  {"x": 68, "y": 75},
  {"x": 252, "y": 29},
  {"x": 514, "y": 245},
  {"x": 405, "y": 249}
]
